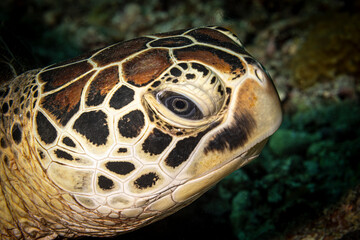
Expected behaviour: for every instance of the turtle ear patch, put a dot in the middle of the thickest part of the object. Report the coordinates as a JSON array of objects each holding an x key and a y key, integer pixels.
[
  {"x": 93, "y": 126},
  {"x": 234, "y": 136}
]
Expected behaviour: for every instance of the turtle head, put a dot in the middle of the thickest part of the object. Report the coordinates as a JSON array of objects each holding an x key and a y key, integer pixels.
[
  {"x": 224, "y": 102},
  {"x": 137, "y": 130}
]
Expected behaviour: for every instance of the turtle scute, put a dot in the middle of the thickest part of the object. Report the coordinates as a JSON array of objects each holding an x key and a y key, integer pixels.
[{"x": 124, "y": 136}]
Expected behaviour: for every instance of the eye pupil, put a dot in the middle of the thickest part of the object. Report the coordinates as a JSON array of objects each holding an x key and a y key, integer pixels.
[{"x": 180, "y": 104}]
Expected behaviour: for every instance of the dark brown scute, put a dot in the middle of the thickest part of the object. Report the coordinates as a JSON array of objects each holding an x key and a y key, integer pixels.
[
  {"x": 63, "y": 155},
  {"x": 5, "y": 108},
  {"x": 105, "y": 183},
  {"x": 145, "y": 67},
  {"x": 120, "y": 51},
  {"x": 146, "y": 180},
  {"x": 156, "y": 142},
  {"x": 16, "y": 133},
  {"x": 131, "y": 124},
  {"x": 120, "y": 167},
  {"x": 122, "y": 150},
  {"x": 62, "y": 105},
  {"x": 171, "y": 42},
  {"x": 41, "y": 154},
  {"x": 155, "y": 84},
  {"x": 57, "y": 77},
  {"x": 183, "y": 150},
  {"x": 200, "y": 68},
  {"x": 190, "y": 76},
  {"x": 183, "y": 66},
  {"x": 3, "y": 143},
  {"x": 175, "y": 72},
  {"x": 68, "y": 142},
  {"x": 122, "y": 97},
  {"x": 103, "y": 82},
  {"x": 93, "y": 126},
  {"x": 207, "y": 35},
  {"x": 218, "y": 59},
  {"x": 45, "y": 129}
]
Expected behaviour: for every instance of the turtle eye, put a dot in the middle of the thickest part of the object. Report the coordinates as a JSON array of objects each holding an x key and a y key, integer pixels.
[{"x": 180, "y": 105}]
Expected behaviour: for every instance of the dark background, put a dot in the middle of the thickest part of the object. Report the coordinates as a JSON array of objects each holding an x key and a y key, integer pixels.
[{"x": 310, "y": 48}]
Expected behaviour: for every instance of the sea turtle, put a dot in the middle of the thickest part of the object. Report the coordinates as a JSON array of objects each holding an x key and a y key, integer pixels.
[{"x": 121, "y": 137}]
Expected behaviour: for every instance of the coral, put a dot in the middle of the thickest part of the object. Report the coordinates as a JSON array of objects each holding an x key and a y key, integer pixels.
[
  {"x": 296, "y": 142},
  {"x": 331, "y": 48},
  {"x": 340, "y": 221}
]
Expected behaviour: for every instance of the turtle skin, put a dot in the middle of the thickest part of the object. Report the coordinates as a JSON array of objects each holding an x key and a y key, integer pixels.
[{"x": 118, "y": 138}]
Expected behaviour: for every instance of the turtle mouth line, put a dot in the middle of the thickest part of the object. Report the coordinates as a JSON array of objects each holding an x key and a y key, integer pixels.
[
  {"x": 245, "y": 160},
  {"x": 239, "y": 157},
  {"x": 217, "y": 167}
]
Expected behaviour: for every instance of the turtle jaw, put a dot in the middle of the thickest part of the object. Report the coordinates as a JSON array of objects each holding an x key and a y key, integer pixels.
[
  {"x": 195, "y": 187},
  {"x": 187, "y": 191}
]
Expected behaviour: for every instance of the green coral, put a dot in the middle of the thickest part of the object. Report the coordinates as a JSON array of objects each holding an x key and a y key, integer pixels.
[
  {"x": 330, "y": 49},
  {"x": 309, "y": 163},
  {"x": 296, "y": 141}
]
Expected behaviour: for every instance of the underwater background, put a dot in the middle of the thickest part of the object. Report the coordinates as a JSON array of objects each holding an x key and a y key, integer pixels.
[{"x": 306, "y": 182}]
